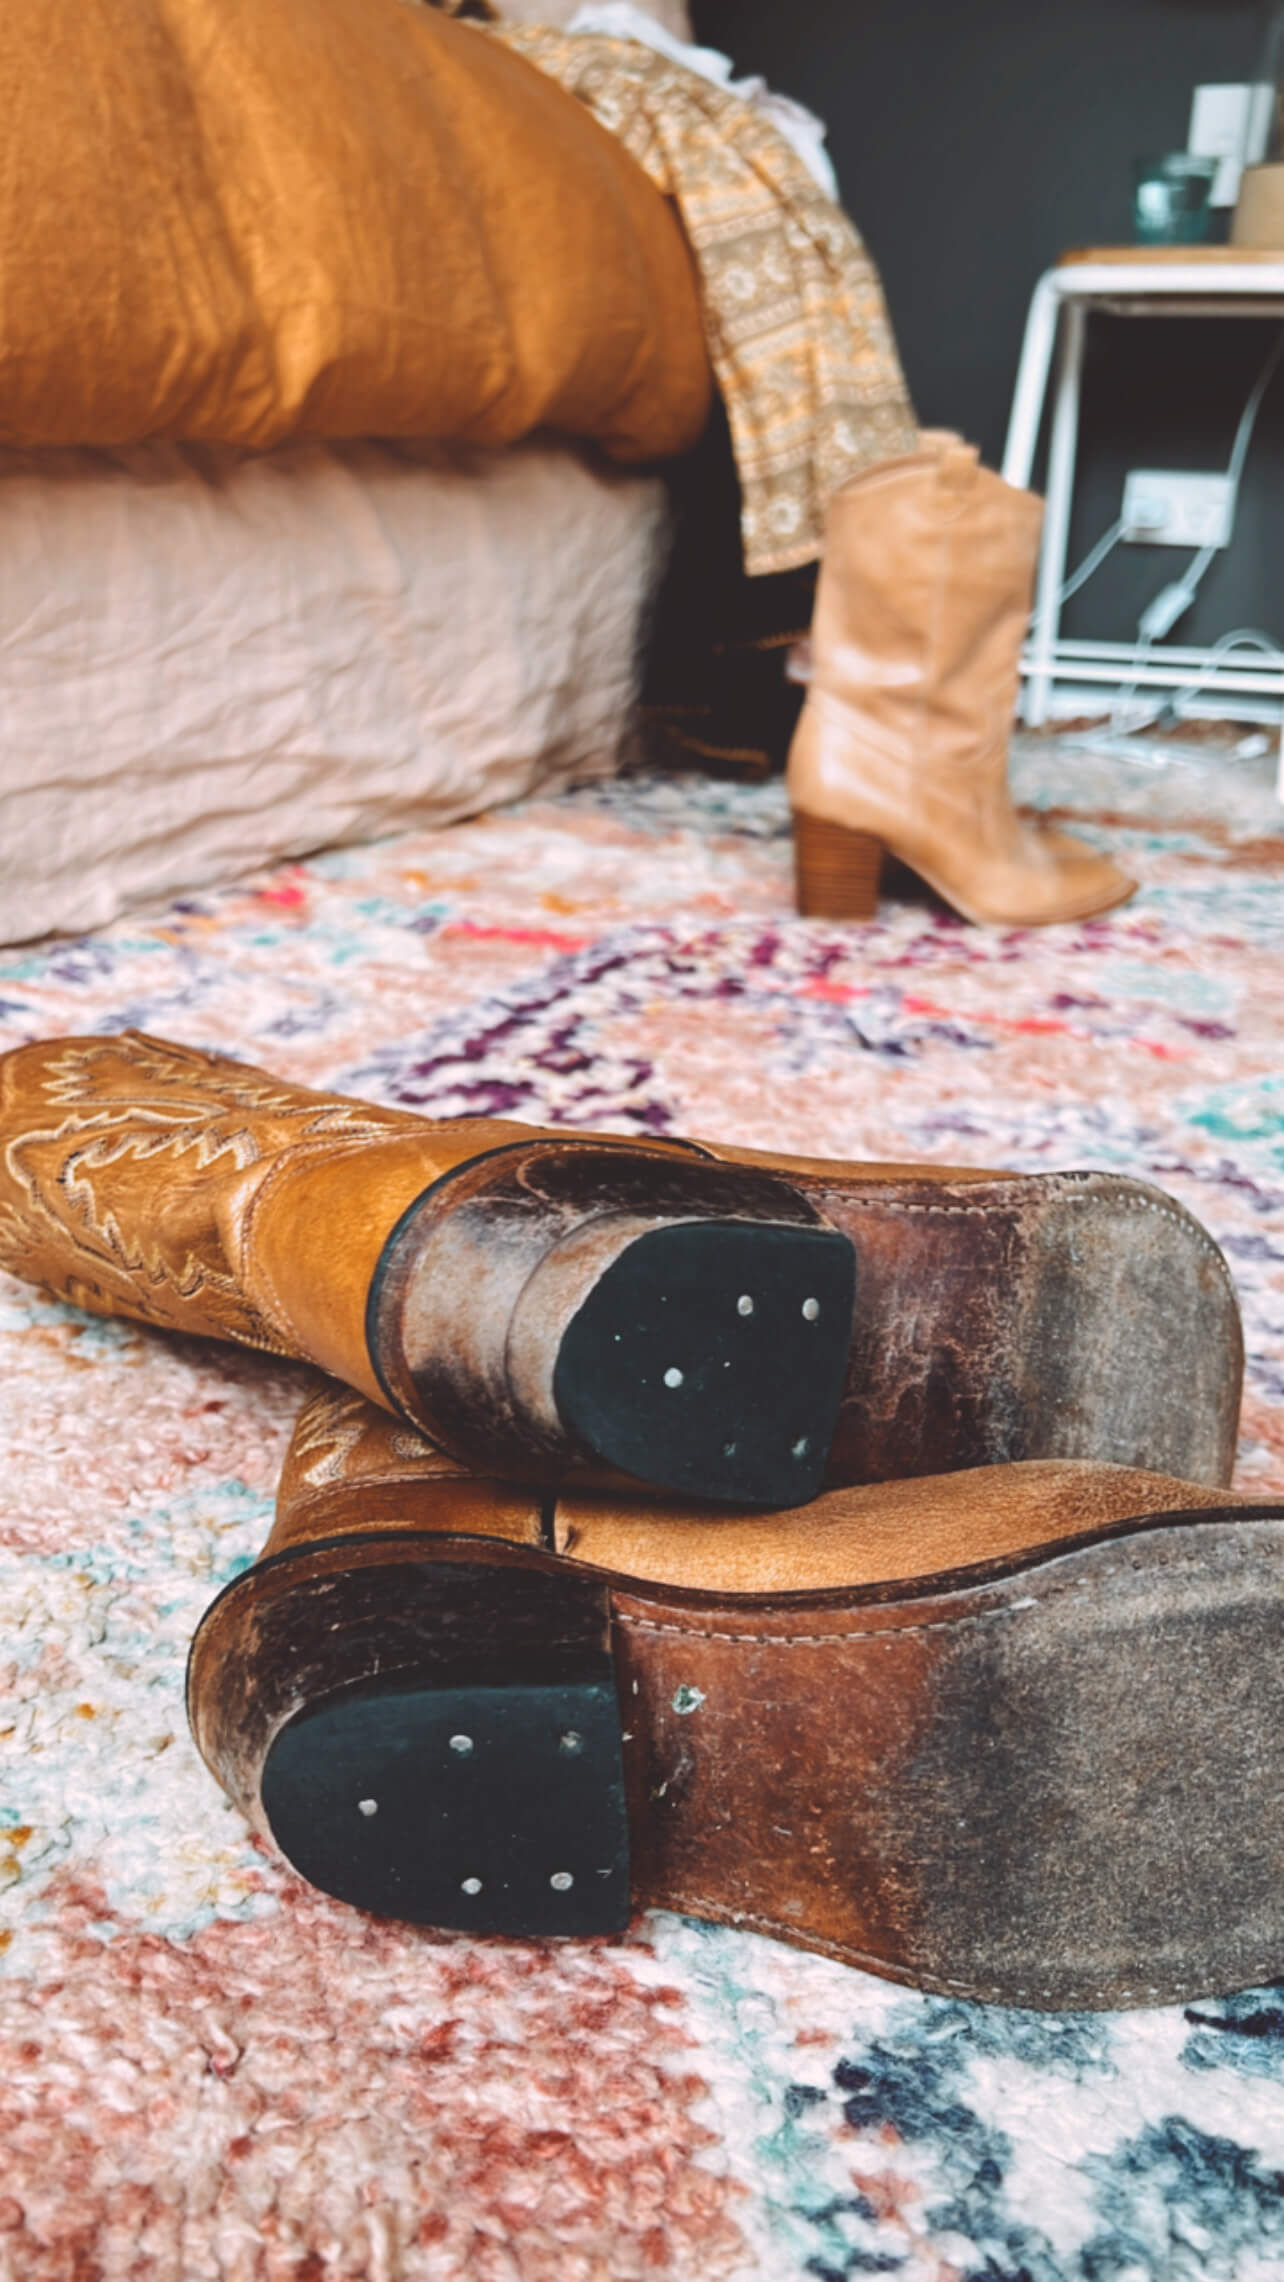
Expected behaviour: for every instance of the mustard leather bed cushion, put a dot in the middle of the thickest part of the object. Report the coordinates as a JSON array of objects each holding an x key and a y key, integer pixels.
[{"x": 246, "y": 220}]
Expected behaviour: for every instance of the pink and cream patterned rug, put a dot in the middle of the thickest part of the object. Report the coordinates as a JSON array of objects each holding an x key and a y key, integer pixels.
[{"x": 209, "y": 2073}]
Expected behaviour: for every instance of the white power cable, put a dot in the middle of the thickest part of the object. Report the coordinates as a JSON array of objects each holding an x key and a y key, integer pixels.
[
  {"x": 1248, "y": 420},
  {"x": 1093, "y": 561},
  {"x": 1240, "y": 638},
  {"x": 1173, "y": 601},
  {"x": 1119, "y": 727},
  {"x": 1157, "y": 622}
]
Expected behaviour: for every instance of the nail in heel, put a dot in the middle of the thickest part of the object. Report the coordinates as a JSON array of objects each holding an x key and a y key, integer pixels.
[
  {"x": 680, "y": 1321},
  {"x": 425, "y": 1732},
  {"x": 837, "y": 872}
]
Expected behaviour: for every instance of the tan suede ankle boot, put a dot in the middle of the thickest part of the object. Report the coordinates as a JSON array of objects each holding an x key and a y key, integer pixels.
[
  {"x": 554, "y": 1305},
  {"x": 902, "y": 746},
  {"x": 1015, "y": 1734}
]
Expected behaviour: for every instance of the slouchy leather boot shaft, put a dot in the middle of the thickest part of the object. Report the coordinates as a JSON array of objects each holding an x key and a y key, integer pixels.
[
  {"x": 710, "y": 1321},
  {"x": 921, "y": 612}
]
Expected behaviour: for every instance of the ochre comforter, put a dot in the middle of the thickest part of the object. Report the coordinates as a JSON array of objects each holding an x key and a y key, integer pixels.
[{"x": 245, "y": 220}]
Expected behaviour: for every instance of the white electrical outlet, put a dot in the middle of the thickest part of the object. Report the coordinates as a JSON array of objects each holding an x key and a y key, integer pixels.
[{"x": 1165, "y": 508}]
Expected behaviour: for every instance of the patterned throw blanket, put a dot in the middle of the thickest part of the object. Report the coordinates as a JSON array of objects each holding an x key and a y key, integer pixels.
[{"x": 797, "y": 326}]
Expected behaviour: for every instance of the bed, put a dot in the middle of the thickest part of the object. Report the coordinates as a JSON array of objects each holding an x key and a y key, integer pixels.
[
  {"x": 276, "y": 581},
  {"x": 213, "y": 657}
]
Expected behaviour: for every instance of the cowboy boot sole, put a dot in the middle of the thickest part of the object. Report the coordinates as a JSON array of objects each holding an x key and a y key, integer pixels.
[
  {"x": 1052, "y": 1315},
  {"x": 1054, "y": 1782},
  {"x": 749, "y": 1332}
]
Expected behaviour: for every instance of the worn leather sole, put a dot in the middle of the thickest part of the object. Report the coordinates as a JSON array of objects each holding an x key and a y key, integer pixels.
[
  {"x": 1001, "y": 1317},
  {"x": 749, "y": 1329},
  {"x": 1053, "y": 1781}
]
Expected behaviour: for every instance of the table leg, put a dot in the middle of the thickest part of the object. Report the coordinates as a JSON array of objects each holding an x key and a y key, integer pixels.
[
  {"x": 1032, "y": 384},
  {"x": 1056, "y": 527}
]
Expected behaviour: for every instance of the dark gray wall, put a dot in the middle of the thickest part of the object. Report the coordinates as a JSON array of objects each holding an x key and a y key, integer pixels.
[{"x": 974, "y": 141}]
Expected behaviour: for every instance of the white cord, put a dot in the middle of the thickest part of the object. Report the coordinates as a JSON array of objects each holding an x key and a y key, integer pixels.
[
  {"x": 1173, "y": 601},
  {"x": 1242, "y": 638},
  {"x": 1172, "y": 710},
  {"x": 1092, "y": 562},
  {"x": 1118, "y": 726},
  {"x": 1248, "y": 420}
]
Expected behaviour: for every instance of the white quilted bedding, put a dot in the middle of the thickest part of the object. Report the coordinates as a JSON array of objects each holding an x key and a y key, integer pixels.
[{"x": 209, "y": 662}]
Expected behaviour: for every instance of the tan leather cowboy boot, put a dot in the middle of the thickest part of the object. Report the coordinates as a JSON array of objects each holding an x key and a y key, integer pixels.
[
  {"x": 1015, "y": 1734},
  {"x": 902, "y": 745},
  {"x": 551, "y": 1305}
]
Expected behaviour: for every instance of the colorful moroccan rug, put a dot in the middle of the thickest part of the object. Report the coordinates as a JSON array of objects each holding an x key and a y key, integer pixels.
[{"x": 209, "y": 2073}]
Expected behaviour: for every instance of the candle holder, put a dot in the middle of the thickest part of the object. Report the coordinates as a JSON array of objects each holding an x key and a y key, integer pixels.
[{"x": 1259, "y": 215}]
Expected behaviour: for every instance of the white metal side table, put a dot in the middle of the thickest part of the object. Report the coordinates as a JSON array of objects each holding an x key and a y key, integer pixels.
[{"x": 1127, "y": 281}]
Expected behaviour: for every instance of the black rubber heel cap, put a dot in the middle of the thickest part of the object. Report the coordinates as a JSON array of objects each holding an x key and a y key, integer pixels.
[
  {"x": 484, "y": 1808},
  {"x": 710, "y": 1360}
]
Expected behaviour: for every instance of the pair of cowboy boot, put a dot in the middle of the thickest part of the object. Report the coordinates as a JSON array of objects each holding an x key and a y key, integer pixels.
[{"x": 1005, "y": 1725}]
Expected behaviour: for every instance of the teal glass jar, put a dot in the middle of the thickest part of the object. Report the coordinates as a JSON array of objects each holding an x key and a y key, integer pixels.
[{"x": 1171, "y": 199}]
